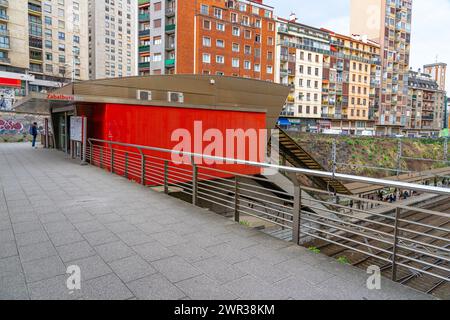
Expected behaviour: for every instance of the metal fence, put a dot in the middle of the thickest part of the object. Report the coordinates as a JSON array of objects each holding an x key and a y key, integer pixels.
[{"x": 408, "y": 238}]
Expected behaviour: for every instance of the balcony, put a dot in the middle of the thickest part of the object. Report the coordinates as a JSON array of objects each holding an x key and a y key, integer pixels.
[
  {"x": 144, "y": 17},
  {"x": 141, "y": 2},
  {"x": 145, "y": 32},
  {"x": 34, "y": 9},
  {"x": 170, "y": 28},
  {"x": 144, "y": 65},
  {"x": 5, "y": 46},
  {"x": 170, "y": 46},
  {"x": 4, "y": 32},
  {"x": 5, "y": 60},
  {"x": 170, "y": 12},
  {"x": 169, "y": 63},
  {"x": 4, "y": 17},
  {"x": 144, "y": 49},
  {"x": 4, "y": 3}
]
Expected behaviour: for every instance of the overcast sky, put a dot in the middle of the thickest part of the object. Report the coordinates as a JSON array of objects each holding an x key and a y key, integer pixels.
[{"x": 430, "y": 28}]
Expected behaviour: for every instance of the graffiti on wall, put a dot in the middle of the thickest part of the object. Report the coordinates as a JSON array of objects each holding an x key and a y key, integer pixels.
[
  {"x": 17, "y": 124},
  {"x": 7, "y": 98},
  {"x": 10, "y": 126}
]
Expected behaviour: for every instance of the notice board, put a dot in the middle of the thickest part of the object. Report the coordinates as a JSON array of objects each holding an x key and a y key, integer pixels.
[{"x": 76, "y": 129}]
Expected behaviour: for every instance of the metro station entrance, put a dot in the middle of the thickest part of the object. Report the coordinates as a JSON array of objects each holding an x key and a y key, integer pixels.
[{"x": 61, "y": 122}]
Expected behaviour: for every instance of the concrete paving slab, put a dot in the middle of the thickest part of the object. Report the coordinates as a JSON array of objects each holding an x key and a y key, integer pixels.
[{"x": 131, "y": 242}]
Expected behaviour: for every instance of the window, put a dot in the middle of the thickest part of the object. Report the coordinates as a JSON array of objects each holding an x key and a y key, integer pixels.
[
  {"x": 206, "y": 42},
  {"x": 269, "y": 69},
  {"x": 257, "y": 67},
  {"x": 236, "y": 31},
  {"x": 236, "y": 47},
  {"x": 220, "y": 43},
  {"x": 206, "y": 58},
  {"x": 157, "y": 23},
  {"x": 157, "y": 57},
  {"x": 218, "y": 13},
  {"x": 204, "y": 9},
  {"x": 157, "y": 40},
  {"x": 220, "y": 59},
  {"x": 247, "y": 65},
  {"x": 207, "y": 24},
  {"x": 220, "y": 26},
  {"x": 235, "y": 63},
  {"x": 157, "y": 6}
]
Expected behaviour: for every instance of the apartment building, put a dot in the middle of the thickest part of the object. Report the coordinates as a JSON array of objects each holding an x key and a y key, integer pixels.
[
  {"x": 334, "y": 79},
  {"x": 388, "y": 22},
  {"x": 43, "y": 44},
  {"x": 426, "y": 106},
  {"x": 112, "y": 38},
  {"x": 300, "y": 57},
  {"x": 438, "y": 72},
  {"x": 352, "y": 75},
  {"x": 232, "y": 38}
]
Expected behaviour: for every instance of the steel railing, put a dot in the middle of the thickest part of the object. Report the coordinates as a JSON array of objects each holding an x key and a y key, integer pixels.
[{"x": 409, "y": 237}]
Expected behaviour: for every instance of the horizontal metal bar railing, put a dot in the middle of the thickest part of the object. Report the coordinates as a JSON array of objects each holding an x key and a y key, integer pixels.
[{"x": 408, "y": 237}]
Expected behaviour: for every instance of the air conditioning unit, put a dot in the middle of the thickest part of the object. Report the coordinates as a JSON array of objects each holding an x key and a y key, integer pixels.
[{"x": 144, "y": 95}]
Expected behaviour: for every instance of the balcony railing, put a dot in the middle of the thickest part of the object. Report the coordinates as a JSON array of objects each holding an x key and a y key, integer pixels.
[
  {"x": 144, "y": 65},
  {"x": 5, "y": 60},
  {"x": 4, "y": 3},
  {"x": 170, "y": 62},
  {"x": 144, "y": 32},
  {"x": 144, "y": 17},
  {"x": 170, "y": 28},
  {"x": 144, "y": 48}
]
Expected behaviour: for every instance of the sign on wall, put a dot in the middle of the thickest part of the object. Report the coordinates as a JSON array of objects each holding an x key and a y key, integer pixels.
[{"x": 76, "y": 129}]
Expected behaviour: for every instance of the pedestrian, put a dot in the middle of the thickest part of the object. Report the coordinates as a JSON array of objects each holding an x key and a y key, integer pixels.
[{"x": 34, "y": 133}]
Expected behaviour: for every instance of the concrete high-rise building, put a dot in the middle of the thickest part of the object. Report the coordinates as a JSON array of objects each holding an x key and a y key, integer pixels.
[
  {"x": 42, "y": 45},
  {"x": 112, "y": 38},
  {"x": 300, "y": 59},
  {"x": 334, "y": 79},
  {"x": 438, "y": 72},
  {"x": 426, "y": 106},
  {"x": 352, "y": 74},
  {"x": 232, "y": 38},
  {"x": 388, "y": 22}
]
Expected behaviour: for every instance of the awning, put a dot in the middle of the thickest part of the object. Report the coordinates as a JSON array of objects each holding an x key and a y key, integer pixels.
[
  {"x": 39, "y": 103},
  {"x": 284, "y": 122}
]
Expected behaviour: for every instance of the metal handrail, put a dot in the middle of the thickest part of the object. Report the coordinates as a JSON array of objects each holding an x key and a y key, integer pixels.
[
  {"x": 394, "y": 234},
  {"x": 315, "y": 173}
]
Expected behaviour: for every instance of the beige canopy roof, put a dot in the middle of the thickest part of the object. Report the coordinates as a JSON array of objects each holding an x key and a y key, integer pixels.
[{"x": 199, "y": 91}]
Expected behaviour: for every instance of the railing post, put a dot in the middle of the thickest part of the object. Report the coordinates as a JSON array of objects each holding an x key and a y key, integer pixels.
[
  {"x": 236, "y": 199},
  {"x": 142, "y": 168},
  {"x": 394, "y": 250},
  {"x": 296, "y": 214},
  {"x": 166, "y": 177},
  {"x": 112, "y": 159},
  {"x": 91, "y": 149},
  {"x": 101, "y": 157},
  {"x": 126, "y": 165},
  {"x": 194, "y": 181}
]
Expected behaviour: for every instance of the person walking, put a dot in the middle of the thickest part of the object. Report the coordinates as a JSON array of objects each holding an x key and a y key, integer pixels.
[{"x": 34, "y": 133}]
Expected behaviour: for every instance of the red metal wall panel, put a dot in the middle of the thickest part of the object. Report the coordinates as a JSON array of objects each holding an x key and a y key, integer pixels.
[{"x": 153, "y": 126}]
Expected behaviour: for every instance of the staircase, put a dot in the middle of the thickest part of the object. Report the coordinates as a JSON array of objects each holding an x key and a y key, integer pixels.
[{"x": 299, "y": 158}]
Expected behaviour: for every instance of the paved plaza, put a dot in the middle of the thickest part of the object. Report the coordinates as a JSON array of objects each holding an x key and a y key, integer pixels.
[{"x": 131, "y": 242}]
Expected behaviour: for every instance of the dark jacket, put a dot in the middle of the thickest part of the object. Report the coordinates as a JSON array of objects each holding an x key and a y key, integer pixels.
[{"x": 33, "y": 131}]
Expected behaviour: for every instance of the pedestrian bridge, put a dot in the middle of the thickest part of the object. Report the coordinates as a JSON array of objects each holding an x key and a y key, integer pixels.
[{"x": 133, "y": 242}]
